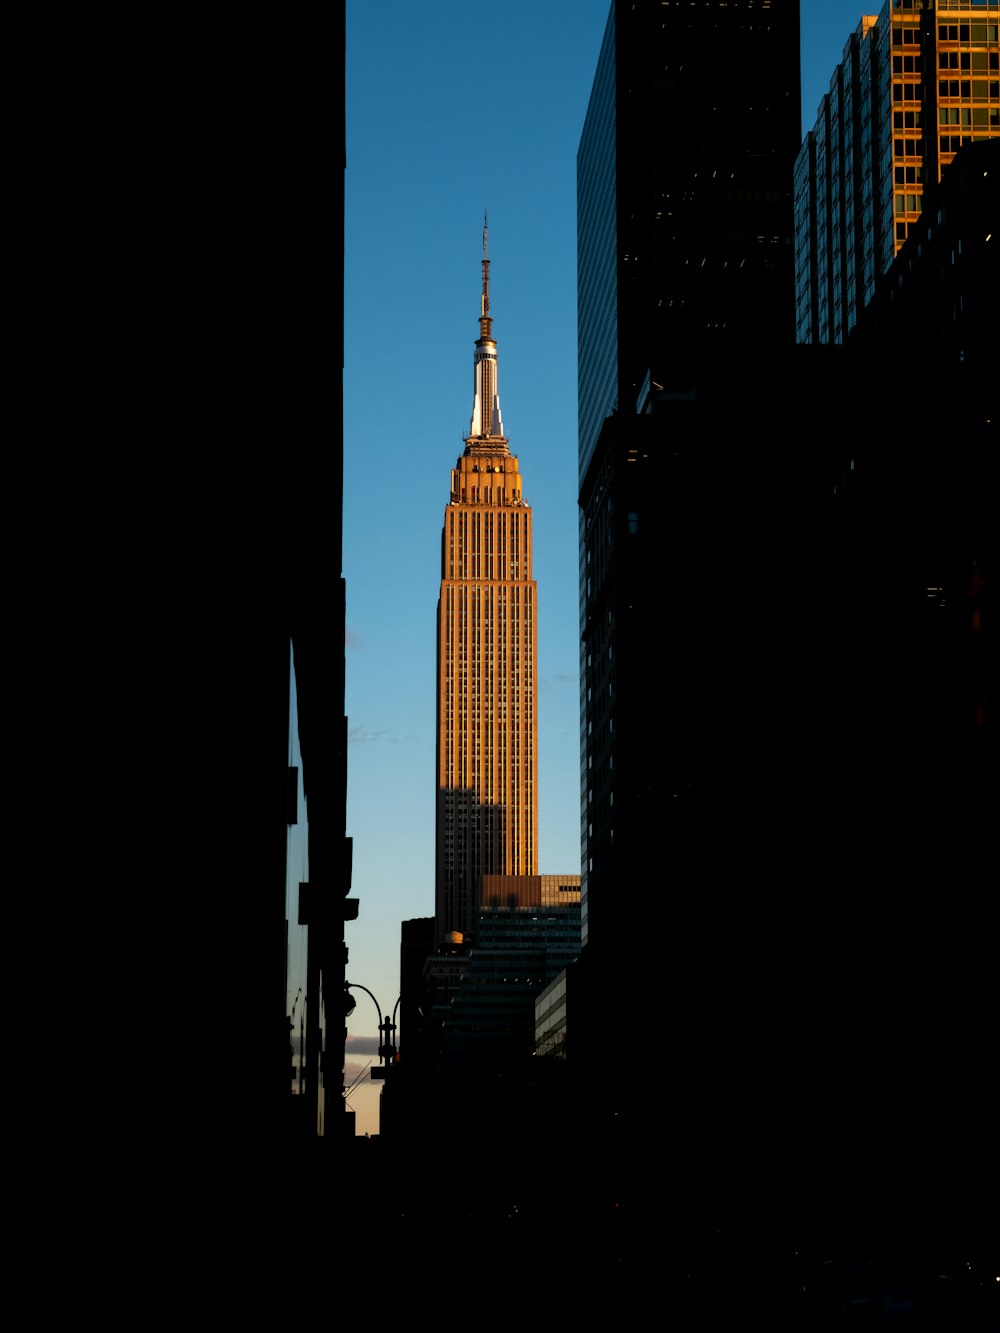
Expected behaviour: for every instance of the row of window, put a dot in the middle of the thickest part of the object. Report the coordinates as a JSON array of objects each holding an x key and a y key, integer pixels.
[
  {"x": 968, "y": 115},
  {"x": 968, "y": 32},
  {"x": 516, "y": 718},
  {"x": 970, "y": 60},
  {"x": 951, "y": 143},
  {"x": 513, "y": 656},
  {"x": 978, "y": 89},
  {"x": 519, "y": 709}
]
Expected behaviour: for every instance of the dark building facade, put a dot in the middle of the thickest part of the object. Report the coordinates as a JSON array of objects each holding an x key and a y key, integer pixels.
[
  {"x": 917, "y": 495},
  {"x": 265, "y": 598},
  {"x": 756, "y": 765},
  {"x": 896, "y": 204},
  {"x": 489, "y": 1023},
  {"x": 231, "y": 340},
  {"x": 684, "y": 195},
  {"x": 685, "y": 268}
]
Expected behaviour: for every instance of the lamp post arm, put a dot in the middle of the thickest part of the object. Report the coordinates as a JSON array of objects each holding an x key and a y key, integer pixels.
[{"x": 353, "y": 985}]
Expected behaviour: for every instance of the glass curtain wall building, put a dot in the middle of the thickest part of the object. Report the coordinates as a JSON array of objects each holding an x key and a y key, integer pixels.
[{"x": 685, "y": 277}]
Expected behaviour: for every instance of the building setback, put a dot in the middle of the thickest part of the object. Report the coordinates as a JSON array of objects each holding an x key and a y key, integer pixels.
[{"x": 487, "y": 703}]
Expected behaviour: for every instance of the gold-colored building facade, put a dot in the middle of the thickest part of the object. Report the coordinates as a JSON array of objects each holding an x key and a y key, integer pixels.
[
  {"x": 530, "y": 890},
  {"x": 944, "y": 59},
  {"x": 487, "y": 706}
]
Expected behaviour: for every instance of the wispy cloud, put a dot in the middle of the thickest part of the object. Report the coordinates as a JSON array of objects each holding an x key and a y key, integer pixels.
[
  {"x": 559, "y": 680},
  {"x": 361, "y": 734}
]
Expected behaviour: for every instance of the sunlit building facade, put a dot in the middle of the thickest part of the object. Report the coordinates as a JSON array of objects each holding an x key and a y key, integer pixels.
[
  {"x": 916, "y": 82},
  {"x": 487, "y": 704}
]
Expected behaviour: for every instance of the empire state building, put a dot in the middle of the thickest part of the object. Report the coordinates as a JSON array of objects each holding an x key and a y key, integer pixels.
[{"x": 487, "y": 706}]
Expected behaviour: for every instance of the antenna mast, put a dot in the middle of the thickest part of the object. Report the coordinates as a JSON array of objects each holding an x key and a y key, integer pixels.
[{"x": 485, "y": 323}]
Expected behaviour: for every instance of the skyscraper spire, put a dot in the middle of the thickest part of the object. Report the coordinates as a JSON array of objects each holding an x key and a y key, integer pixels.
[
  {"x": 486, "y": 422},
  {"x": 485, "y": 323}
]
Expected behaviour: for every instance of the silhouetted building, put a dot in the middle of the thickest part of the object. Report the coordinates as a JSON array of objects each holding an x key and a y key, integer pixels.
[
  {"x": 417, "y": 941},
  {"x": 761, "y": 776},
  {"x": 916, "y": 83},
  {"x": 315, "y": 599},
  {"x": 487, "y": 705},
  {"x": 684, "y": 196},
  {"x": 489, "y": 1022},
  {"x": 472, "y": 986},
  {"x": 896, "y": 204},
  {"x": 467, "y": 1070},
  {"x": 685, "y": 282},
  {"x": 232, "y": 348},
  {"x": 918, "y": 495},
  {"x": 269, "y": 487}
]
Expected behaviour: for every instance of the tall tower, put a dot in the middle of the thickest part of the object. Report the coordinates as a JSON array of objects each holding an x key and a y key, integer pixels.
[
  {"x": 685, "y": 288},
  {"x": 487, "y": 761}
]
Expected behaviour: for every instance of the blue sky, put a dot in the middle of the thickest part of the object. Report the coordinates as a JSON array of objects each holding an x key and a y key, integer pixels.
[{"x": 453, "y": 108}]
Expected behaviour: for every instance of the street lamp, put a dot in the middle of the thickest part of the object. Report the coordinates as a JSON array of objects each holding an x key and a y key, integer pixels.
[{"x": 386, "y": 1027}]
